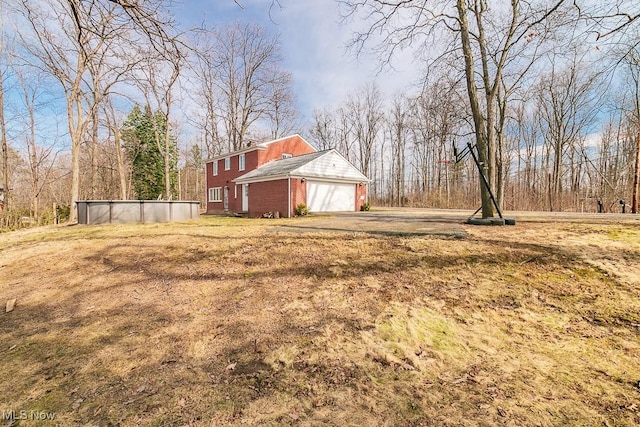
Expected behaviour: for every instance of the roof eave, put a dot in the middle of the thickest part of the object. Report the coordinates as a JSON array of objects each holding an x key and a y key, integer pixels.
[
  {"x": 331, "y": 178},
  {"x": 251, "y": 180}
]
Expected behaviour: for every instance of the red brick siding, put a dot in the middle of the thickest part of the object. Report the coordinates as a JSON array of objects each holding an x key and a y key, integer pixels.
[
  {"x": 253, "y": 159},
  {"x": 298, "y": 194},
  {"x": 294, "y": 146},
  {"x": 235, "y": 198},
  {"x": 212, "y": 181},
  {"x": 361, "y": 195},
  {"x": 268, "y": 196},
  {"x": 226, "y": 177}
]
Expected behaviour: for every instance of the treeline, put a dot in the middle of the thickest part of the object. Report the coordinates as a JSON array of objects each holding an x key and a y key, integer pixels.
[
  {"x": 566, "y": 144},
  {"x": 109, "y": 99}
]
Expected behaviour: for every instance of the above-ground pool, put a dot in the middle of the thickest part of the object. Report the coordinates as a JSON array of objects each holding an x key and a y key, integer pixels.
[{"x": 132, "y": 211}]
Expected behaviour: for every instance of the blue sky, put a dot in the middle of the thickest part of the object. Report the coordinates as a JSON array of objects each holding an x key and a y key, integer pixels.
[{"x": 313, "y": 45}]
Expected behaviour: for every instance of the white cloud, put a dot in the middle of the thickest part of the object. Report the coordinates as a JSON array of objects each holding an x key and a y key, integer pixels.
[{"x": 324, "y": 72}]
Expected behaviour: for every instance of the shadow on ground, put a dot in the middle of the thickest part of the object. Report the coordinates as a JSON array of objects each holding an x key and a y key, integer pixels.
[
  {"x": 396, "y": 222},
  {"x": 433, "y": 222}
]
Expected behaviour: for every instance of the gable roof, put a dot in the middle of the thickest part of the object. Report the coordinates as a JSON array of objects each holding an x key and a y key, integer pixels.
[
  {"x": 258, "y": 146},
  {"x": 328, "y": 164},
  {"x": 284, "y": 138}
]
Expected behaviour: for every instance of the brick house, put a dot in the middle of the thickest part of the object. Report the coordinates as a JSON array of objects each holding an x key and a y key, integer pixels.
[{"x": 278, "y": 175}]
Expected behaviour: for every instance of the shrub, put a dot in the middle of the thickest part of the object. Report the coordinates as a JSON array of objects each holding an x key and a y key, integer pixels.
[
  {"x": 64, "y": 211},
  {"x": 301, "y": 209},
  {"x": 365, "y": 207},
  {"x": 15, "y": 219}
]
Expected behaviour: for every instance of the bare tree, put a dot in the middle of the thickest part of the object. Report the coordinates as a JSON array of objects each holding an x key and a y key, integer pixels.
[
  {"x": 114, "y": 125},
  {"x": 608, "y": 171},
  {"x": 37, "y": 156},
  {"x": 69, "y": 35},
  {"x": 323, "y": 129},
  {"x": 207, "y": 116},
  {"x": 158, "y": 85},
  {"x": 191, "y": 174},
  {"x": 111, "y": 62},
  {"x": 63, "y": 54},
  {"x": 487, "y": 38},
  {"x": 344, "y": 134},
  {"x": 435, "y": 123},
  {"x": 616, "y": 26},
  {"x": 4, "y": 202},
  {"x": 398, "y": 135},
  {"x": 247, "y": 60},
  {"x": 282, "y": 113},
  {"x": 526, "y": 131},
  {"x": 568, "y": 106},
  {"x": 632, "y": 60},
  {"x": 610, "y": 19},
  {"x": 366, "y": 117}
]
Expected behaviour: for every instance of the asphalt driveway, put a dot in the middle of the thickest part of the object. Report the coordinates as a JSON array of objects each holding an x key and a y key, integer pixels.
[
  {"x": 391, "y": 221},
  {"x": 436, "y": 222}
]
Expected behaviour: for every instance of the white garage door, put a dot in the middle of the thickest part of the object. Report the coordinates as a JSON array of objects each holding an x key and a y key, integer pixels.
[{"x": 330, "y": 197}]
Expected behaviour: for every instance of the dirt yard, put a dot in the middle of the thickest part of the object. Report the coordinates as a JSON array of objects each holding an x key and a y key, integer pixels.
[{"x": 261, "y": 322}]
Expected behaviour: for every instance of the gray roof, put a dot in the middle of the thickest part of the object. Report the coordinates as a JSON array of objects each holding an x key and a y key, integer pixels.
[
  {"x": 322, "y": 165},
  {"x": 282, "y": 166}
]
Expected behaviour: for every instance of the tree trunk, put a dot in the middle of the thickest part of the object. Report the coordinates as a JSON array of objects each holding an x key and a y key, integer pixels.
[
  {"x": 167, "y": 162},
  {"x": 636, "y": 175},
  {"x": 478, "y": 118},
  {"x": 35, "y": 166},
  {"x": 112, "y": 125},
  {"x": 5, "y": 151},
  {"x": 75, "y": 132},
  {"x": 122, "y": 174},
  {"x": 94, "y": 147}
]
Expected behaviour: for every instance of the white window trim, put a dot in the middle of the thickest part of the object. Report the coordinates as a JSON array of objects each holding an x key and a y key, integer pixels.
[
  {"x": 215, "y": 168},
  {"x": 227, "y": 163},
  {"x": 215, "y": 194},
  {"x": 241, "y": 162}
]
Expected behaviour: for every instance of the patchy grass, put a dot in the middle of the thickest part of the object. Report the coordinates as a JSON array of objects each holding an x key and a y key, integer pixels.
[{"x": 228, "y": 322}]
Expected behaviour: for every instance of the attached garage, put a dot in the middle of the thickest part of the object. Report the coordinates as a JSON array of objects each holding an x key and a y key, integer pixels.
[
  {"x": 324, "y": 181},
  {"x": 325, "y": 196}
]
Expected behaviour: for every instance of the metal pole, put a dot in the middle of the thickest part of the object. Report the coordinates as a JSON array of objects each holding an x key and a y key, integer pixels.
[
  {"x": 474, "y": 214},
  {"x": 484, "y": 179}
]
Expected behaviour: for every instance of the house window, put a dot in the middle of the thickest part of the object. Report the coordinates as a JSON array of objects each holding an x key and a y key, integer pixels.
[
  {"x": 215, "y": 194},
  {"x": 227, "y": 163},
  {"x": 286, "y": 155},
  {"x": 241, "y": 162},
  {"x": 215, "y": 168}
]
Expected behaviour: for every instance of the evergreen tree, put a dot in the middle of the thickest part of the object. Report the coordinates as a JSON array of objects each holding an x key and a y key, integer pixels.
[{"x": 147, "y": 162}]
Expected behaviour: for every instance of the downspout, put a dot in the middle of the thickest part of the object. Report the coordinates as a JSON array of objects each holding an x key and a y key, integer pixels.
[{"x": 289, "y": 197}]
